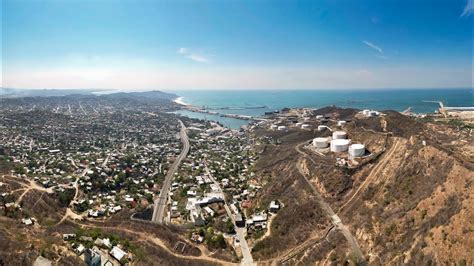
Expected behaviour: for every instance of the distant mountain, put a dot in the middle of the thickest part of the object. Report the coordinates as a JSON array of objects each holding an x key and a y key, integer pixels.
[
  {"x": 14, "y": 93},
  {"x": 152, "y": 95},
  {"x": 146, "y": 95}
]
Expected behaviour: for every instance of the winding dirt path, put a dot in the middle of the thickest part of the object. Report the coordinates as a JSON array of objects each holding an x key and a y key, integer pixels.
[
  {"x": 156, "y": 241},
  {"x": 336, "y": 221},
  {"x": 373, "y": 175}
]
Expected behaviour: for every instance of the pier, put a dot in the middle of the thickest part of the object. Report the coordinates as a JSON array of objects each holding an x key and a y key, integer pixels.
[
  {"x": 235, "y": 116},
  {"x": 462, "y": 111}
]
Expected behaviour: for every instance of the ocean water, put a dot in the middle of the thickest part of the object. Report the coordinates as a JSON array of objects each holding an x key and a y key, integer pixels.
[
  {"x": 226, "y": 121},
  {"x": 257, "y": 102}
]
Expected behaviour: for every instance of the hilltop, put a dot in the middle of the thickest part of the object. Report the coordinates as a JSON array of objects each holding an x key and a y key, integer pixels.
[{"x": 408, "y": 200}]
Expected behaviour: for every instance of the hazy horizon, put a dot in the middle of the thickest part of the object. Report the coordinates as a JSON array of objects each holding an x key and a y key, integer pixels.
[{"x": 112, "y": 90}]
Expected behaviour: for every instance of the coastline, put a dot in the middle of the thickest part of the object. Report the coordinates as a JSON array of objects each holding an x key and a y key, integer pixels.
[
  {"x": 180, "y": 101},
  {"x": 256, "y": 102}
]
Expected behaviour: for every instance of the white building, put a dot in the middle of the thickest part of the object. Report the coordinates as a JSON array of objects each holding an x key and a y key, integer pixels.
[{"x": 117, "y": 253}]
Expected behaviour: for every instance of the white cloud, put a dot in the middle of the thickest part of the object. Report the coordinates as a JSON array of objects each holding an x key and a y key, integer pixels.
[
  {"x": 468, "y": 9},
  {"x": 198, "y": 58},
  {"x": 193, "y": 56},
  {"x": 183, "y": 50},
  {"x": 373, "y": 46}
]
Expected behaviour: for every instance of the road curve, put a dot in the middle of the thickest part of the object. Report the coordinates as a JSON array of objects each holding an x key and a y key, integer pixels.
[{"x": 160, "y": 202}]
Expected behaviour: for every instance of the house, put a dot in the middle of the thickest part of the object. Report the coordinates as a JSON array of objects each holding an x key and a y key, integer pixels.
[
  {"x": 246, "y": 204},
  {"x": 197, "y": 238},
  {"x": 259, "y": 220},
  {"x": 239, "y": 221},
  {"x": 27, "y": 221},
  {"x": 191, "y": 193},
  {"x": 79, "y": 249},
  {"x": 68, "y": 236},
  {"x": 209, "y": 211},
  {"x": 117, "y": 253},
  {"x": 86, "y": 238},
  {"x": 103, "y": 242},
  {"x": 93, "y": 213},
  {"x": 274, "y": 206},
  {"x": 210, "y": 198},
  {"x": 92, "y": 257}
]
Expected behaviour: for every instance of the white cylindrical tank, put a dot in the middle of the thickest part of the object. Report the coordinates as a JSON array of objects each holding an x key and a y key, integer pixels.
[
  {"x": 341, "y": 123},
  {"x": 339, "y": 135},
  {"x": 304, "y": 126},
  {"x": 340, "y": 145},
  {"x": 321, "y": 128},
  {"x": 321, "y": 142},
  {"x": 281, "y": 128},
  {"x": 273, "y": 127},
  {"x": 373, "y": 113},
  {"x": 356, "y": 150},
  {"x": 319, "y": 117}
]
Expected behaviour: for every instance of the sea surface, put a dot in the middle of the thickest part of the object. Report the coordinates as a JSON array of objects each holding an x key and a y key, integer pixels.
[{"x": 257, "y": 102}]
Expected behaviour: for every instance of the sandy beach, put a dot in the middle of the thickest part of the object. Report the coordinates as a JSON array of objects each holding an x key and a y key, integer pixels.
[{"x": 179, "y": 101}]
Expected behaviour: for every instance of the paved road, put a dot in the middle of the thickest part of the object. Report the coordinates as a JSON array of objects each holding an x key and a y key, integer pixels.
[
  {"x": 160, "y": 202},
  {"x": 244, "y": 247}
]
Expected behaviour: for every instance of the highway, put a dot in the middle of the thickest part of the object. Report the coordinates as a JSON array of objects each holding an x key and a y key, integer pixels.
[{"x": 160, "y": 202}]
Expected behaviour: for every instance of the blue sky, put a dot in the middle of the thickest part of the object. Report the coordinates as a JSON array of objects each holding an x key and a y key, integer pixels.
[{"x": 219, "y": 44}]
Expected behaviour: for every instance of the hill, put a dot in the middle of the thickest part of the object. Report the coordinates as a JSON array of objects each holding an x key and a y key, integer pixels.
[{"x": 409, "y": 202}]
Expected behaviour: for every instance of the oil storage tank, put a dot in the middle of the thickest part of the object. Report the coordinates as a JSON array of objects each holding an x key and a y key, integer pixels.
[
  {"x": 339, "y": 135},
  {"x": 356, "y": 150},
  {"x": 340, "y": 145},
  {"x": 320, "y": 143}
]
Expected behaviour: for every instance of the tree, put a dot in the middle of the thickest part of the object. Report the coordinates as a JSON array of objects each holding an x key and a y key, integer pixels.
[
  {"x": 230, "y": 228},
  {"x": 66, "y": 196}
]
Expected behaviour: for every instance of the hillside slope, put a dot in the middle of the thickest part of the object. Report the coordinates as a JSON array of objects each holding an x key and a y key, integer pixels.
[{"x": 409, "y": 203}]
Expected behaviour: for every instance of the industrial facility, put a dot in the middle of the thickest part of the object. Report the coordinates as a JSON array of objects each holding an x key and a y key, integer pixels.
[{"x": 370, "y": 113}]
